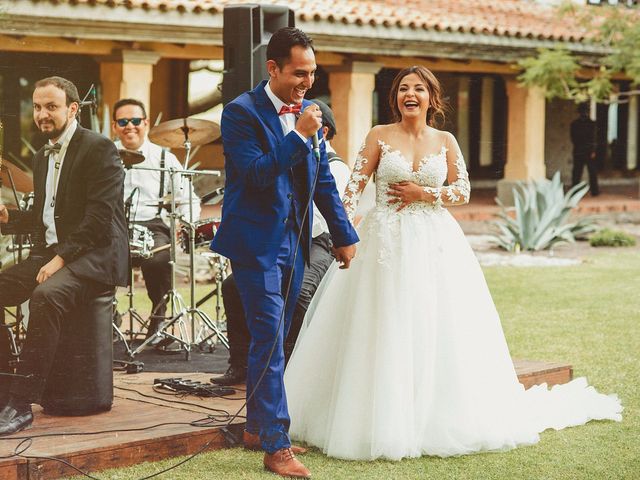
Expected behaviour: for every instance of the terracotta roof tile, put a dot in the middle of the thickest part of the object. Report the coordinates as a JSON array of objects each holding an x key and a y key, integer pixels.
[{"x": 505, "y": 18}]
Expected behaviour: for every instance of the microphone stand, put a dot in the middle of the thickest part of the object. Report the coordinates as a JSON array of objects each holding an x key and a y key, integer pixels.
[{"x": 131, "y": 311}]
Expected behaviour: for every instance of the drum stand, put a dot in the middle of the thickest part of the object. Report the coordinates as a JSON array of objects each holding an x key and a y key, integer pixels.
[
  {"x": 193, "y": 311},
  {"x": 221, "y": 265},
  {"x": 180, "y": 312},
  {"x": 172, "y": 297},
  {"x": 15, "y": 329},
  {"x": 131, "y": 311}
]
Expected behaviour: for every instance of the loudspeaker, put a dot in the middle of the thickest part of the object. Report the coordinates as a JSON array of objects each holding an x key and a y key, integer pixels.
[{"x": 245, "y": 34}]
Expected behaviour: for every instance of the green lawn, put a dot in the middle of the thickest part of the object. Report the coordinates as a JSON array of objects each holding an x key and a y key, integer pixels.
[{"x": 586, "y": 315}]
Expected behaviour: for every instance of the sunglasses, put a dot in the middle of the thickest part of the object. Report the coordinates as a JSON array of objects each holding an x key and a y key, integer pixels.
[{"x": 122, "y": 122}]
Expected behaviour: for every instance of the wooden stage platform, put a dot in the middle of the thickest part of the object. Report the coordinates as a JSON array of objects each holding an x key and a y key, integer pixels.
[{"x": 138, "y": 408}]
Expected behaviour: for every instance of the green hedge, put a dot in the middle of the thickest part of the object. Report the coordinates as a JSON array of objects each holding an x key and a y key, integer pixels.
[{"x": 612, "y": 238}]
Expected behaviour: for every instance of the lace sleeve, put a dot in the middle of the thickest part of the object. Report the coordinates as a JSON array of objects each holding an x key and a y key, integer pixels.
[
  {"x": 458, "y": 190},
  {"x": 366, "y": 163}
]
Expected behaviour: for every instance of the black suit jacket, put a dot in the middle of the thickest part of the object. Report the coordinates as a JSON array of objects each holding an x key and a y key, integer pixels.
[
  {"x": 583, "y": 136},
  {"x": 89, "y": 211}
]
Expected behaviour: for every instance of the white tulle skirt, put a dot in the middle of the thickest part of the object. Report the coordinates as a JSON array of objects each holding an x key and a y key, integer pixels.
[{"x": 403, "y": 354}]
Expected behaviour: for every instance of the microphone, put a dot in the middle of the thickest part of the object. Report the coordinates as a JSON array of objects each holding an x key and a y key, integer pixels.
[
  {"x": 129, "y": 200},
  {"x": 316, "y": 146},
  {"x": 315, "y": 142}
]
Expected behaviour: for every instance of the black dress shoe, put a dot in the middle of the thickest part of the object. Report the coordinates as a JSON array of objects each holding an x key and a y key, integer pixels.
[
  {"x": 232, "y": 376},
  {"x": 13, "y": 419}
]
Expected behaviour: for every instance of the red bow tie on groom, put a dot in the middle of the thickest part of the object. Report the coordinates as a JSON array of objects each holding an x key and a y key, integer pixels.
[{"x": 295, "y": 109}]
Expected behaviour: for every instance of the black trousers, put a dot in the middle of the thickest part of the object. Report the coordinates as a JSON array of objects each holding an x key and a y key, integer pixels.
[
  {"x": 579, "y": 162},
  {"x": 49, "y": 306},
  {"x": 156, "y": 270},
  {"x": 237, "y": 331}
]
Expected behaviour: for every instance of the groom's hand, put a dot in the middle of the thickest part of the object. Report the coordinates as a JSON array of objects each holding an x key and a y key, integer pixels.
[
  {"x": 309, "y": 121},
  {"x": 344, "y": 255}
]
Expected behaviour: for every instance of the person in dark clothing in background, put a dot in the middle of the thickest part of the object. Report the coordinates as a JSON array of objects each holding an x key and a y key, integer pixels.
[{"x": 583, "y": 138}]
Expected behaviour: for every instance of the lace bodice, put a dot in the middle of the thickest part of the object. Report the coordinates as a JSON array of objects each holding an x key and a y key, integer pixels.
[
  {"x": 431, "y": 173},
  {"x": 393, "y": 168}
]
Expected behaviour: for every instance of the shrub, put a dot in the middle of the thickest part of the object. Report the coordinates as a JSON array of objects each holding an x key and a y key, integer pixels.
[
  {"x": 539, "y": 218},
  {"x": 611, "y": 238}
]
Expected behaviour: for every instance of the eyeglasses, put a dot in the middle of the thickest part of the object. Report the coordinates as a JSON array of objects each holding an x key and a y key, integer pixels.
[{"x": 122, "y": 122}]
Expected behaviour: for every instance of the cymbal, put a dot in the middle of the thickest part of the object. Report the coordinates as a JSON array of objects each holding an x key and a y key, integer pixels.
[
  {"x": 22, "y": 180},
  {"x": 130, "y": 158},
  {"x": 173, "y": 133}
]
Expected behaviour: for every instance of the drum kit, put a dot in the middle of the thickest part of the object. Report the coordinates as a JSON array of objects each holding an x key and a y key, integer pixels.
[
  {"x": 19, "y": 182},
  {"x": 186, "y": 326}
]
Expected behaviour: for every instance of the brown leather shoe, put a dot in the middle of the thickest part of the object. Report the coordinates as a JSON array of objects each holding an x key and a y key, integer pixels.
[
  {"x": 252, "y": 442},
  {"x": 284, "y": 463}
]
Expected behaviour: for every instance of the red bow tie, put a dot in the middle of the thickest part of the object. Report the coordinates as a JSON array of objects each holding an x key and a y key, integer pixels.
[{"x": 287, "y": 109}]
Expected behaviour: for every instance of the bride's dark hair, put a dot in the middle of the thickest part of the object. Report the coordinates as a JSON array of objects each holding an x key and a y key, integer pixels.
[{"x": 435, "y": 114}]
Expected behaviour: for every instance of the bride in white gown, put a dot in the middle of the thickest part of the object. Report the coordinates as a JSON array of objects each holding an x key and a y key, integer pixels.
[{"x": 404, "y": 354}]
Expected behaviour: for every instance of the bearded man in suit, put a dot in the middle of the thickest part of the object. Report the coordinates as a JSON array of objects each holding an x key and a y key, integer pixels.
[{"x": 79, "y": 240}]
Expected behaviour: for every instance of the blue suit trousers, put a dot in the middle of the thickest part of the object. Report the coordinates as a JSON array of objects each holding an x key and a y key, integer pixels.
[{"x": 263, "y": 298}]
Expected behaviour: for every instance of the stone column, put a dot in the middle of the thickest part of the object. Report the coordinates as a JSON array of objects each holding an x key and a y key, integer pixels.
[
  {"x": 462, "y": 111},
  {"x": 526, "y": 137},
  {"x": 486, "y": 122},
  {"x": 352, "y": 86},
  {"x": 128, "y": 74},
  {"x": 632, "y": 133}
]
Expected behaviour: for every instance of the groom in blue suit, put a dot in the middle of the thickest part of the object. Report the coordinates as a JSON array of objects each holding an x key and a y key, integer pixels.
[{"x": 272, "y": 177}]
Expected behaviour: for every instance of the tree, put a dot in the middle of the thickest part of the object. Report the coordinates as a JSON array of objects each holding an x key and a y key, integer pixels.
[{"x": 614, "y": 35}]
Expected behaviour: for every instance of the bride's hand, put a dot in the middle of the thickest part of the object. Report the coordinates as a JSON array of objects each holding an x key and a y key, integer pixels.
[{"x": 405, "y": 193}]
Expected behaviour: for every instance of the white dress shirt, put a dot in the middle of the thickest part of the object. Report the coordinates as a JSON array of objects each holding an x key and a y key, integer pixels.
[
  {"x": 53, "y": 178},
  {"x": 144, "y": 201},
  {"x": 287, "y": 120}
]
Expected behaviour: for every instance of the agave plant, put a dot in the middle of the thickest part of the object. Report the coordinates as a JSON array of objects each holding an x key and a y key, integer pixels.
[{"x": 539, "y": 218}]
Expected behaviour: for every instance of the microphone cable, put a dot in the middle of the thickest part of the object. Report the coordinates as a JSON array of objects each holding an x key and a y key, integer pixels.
[{"x": 251, "y": 394}]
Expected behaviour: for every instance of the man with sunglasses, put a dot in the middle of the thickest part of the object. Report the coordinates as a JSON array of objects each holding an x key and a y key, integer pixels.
[{"x": 142, "y": 190}]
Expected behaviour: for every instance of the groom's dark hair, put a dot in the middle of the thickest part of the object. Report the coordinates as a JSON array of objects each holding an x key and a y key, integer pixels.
[{"x": 283, "y": 40}]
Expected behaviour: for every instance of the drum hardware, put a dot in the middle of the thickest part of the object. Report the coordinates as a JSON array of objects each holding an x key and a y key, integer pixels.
[
  {"x": 140, "y": 246},
  {"x": 207, "y": 323},
  {"x": 179, "y": 311},
  {"x": 165, "y": 202},
  {"x": 16, "y": 329},
  {"x": 140, "y": 241},
  {"x": 205, "y": 230},
  {"x": 220, "y": 263},
  {"x": 130, "y": 158},
  {"x": 214, "y": 197}
]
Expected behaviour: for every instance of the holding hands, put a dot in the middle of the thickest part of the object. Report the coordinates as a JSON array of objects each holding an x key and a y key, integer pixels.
[{"x": 344, "y": 255}]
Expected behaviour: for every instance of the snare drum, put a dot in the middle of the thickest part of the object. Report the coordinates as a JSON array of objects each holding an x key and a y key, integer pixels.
[
  {"x": 140, "y": 241},
  {"x": 205, "y": 231}
]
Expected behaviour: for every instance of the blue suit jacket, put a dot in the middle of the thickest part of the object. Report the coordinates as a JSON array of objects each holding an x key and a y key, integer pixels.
[{"x": 259, "y": 184}]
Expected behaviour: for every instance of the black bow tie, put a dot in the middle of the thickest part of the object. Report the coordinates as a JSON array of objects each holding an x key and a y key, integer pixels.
[{"x": 49, "y": 149}]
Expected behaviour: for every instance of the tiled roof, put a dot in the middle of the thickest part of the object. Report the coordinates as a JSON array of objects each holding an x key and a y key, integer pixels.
[{"x": 501, "y": 18}]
